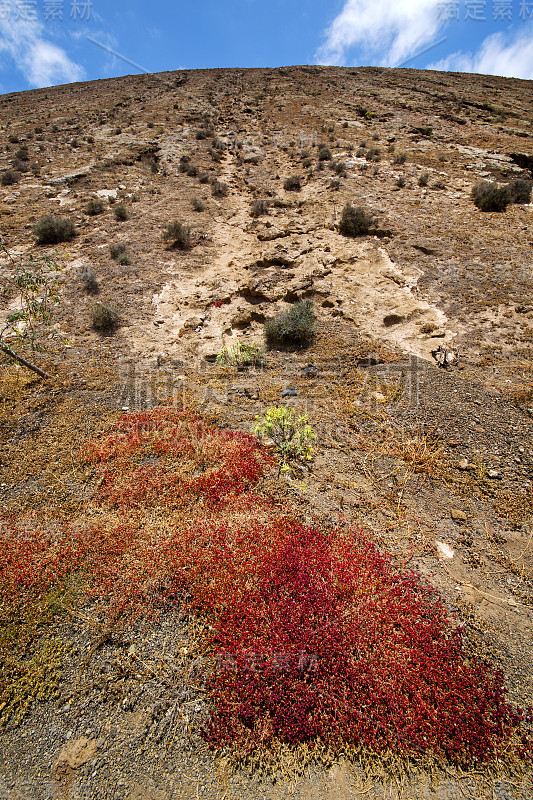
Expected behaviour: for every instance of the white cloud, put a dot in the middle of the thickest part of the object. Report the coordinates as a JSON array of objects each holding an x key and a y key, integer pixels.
[
  {"x": 497, "y": 55},
  {"x": 387, "y": 33},
  {"x": 41, "y": 62}
]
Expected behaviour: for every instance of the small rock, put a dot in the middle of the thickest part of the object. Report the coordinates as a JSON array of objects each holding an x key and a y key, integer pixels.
[
  {"x": 369, "y": 361},
  {"x": 458, "y": 515},
  {"x": 493, "y": 473},
  {"x": 289, "y": 391},
  {"x": 463, "y": 464},
  {"x": 74, "y": 755},
  {"x": 444, "y": 550},
  {"x": 310, "y": 371},
  {"x": 241, "y": 319}
]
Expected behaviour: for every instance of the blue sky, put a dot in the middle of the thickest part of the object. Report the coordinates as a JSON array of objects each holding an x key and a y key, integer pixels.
[{"x": 46, "y": 42}]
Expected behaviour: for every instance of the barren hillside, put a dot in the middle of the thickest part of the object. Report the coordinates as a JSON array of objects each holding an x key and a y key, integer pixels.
[{"x": 205, "y": 203}]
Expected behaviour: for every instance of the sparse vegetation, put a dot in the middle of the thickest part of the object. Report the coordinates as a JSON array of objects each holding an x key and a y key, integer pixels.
[
  {"x": 121, "y": 212},
  {"x": 400, "y": 158},
  {"x": 324, "y": 153},
  {"x": 22, "y": 154},
  {"x": 10, "y": 177},
  {"x": 259, "y": 208},
  {"x": 219, "y": 188},
  {"x": 355, "y": 221},
  {"x": 423, "y": 179},
  {"x": 520, "y": 191},
  {"x": 197, "y": 204},
  {"x": 340, "y": 168},
  {"x": 52, "y": 230},
  {"x": 373, "y": 154},
  {"x": 20, "y": 166},
  {"x": 293, "y": 183},
  {"x": 179, "y": 235},
  {"x": 89, "y": 280},
  {"x": 117, "y": 249},
  {"x": 104, "y": 319},
  {"x": 94, "y": 206},
  {"x": 488, "y": 196},
  {"x": 33, "y": 282},
  {"x": 293, "y": 327}
]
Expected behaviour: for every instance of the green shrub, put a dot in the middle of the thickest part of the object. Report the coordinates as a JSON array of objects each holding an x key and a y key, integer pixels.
[
  {"x": 104, "y": 318},
  {"x": 121, "y": 213},
  {"x": 295, "y": 326},
  {"x": 355, "y": 221},
  {"x": 10, "y": 177},
  {"x": 179, "y": 235},
  {"x": 520, "y": 191},
  {"x": 290, "y": 432},
  {"x": 94, "y": 207},
  {"x": 324, "y": 153},
  {"x": 52, "y": 230},
  {"x": 488, "y": 196},
  {"x": 306, "y": 163},
  {"x": 293, "y": 183},
  {"x": 242, "y": 354}
]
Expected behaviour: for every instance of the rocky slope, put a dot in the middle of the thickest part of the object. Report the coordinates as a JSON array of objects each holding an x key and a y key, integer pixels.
[{"x": 437, "y": 462}]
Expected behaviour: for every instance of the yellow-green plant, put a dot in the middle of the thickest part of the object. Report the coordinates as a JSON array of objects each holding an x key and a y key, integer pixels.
[
  {"x": 36, "y": 283},
  {"x": 242, "y": 354},
  {"x": 290, "y": 432}
]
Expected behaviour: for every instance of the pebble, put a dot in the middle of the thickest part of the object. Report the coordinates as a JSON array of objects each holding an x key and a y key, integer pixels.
[
  {"x": 458, "y": 515},
  {"x": 493, "y": 473},
  {"x": 310, "y": 371},
  {"x": 463, "y": 464}
]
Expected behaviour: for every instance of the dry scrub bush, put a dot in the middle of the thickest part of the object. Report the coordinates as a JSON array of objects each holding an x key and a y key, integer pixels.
[{"x": 52, "y": 230}]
